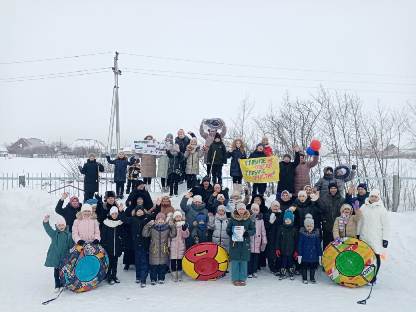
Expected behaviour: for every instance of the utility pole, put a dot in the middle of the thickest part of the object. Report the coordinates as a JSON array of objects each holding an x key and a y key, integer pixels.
[{"x": 115, "y": 114}]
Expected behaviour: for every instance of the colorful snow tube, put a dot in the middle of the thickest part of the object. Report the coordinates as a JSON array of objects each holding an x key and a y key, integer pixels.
[
  {"x": 350, "y": 262},
  {"x": 205, "y": 261},
  {"x": 84, "y": 268}
]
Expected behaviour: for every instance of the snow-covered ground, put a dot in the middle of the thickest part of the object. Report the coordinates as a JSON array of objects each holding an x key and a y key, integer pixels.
[{"x": 25, "y": 282}]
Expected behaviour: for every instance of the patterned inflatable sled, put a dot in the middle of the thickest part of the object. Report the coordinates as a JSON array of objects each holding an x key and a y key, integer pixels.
[
  {"x": 84, "y": 268},
  {"x": 350, "y": 262},
  {"x": 205, "y": 261}
]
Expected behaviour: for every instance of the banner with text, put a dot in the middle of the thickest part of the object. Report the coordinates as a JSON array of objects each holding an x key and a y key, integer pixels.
[
  {"x": 260, "y": 170},
  {"x": 148, "y": 147}
]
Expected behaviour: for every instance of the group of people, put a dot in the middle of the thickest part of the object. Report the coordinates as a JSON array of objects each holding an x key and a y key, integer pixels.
[{"x": 288, "y": 235}]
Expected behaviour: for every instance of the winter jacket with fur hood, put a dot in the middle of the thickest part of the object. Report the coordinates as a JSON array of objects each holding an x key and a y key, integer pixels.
[
  {"x": 219, "y": 225},
  {"x": 240, "y": 251},
  {"x": 86, "y": 229},
  {"x": 177, "y": 243},
  {"x": 111, "y": 236}
]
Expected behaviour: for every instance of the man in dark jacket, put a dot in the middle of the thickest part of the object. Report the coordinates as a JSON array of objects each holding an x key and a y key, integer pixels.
[
  {"x": 140, "y": 191},
  {"x": 120, "y": 171},
  {"x": 330, "y": 205},
  {"x": 70, "y": 211},
  {"x": 287, "y": 173},
  {"x": 217, "y": 157},
  {"x": 103, "y": 207},
  {"x": 204, "y": 190},
  {"x": 91, "y": 171},
  {"x": 357, "y": 201}
]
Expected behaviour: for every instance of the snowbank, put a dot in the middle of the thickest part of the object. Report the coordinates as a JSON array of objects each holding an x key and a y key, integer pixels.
[{"x": 26, "y": 282}]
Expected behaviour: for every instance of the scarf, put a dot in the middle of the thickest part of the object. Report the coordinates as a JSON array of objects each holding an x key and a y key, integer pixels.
[{"x": 343, "y": 221}]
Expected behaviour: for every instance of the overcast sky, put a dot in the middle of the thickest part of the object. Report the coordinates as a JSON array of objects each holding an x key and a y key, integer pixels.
[{"x": 367, "y": 47}]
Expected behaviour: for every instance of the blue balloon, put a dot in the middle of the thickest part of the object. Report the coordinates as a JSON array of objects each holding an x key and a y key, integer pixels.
[{"x": 310, "y": 151}]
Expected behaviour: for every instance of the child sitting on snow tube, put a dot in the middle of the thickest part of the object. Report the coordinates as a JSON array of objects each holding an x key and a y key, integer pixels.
[{"x": 86, "y": 228}]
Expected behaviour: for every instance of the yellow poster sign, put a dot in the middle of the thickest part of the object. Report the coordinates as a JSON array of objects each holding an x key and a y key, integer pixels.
[{"x": 260, "y": 170}]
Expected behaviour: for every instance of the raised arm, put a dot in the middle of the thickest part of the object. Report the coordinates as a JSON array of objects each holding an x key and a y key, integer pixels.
[{"x": 109, "y": 160}]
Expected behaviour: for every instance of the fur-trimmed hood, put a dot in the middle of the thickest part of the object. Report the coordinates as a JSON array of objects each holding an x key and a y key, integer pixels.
[
  {"x": 79, "y": 215},
  {"x": 237, "y": 217},
  {"x": 112, "y": 223}
]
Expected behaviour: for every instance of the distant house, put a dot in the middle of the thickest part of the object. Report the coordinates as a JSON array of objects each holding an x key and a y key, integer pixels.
[
  {"x": 3, "y": 151},
  {"x": 28, "y": 146},
  {"x": 82, "y": 147}
]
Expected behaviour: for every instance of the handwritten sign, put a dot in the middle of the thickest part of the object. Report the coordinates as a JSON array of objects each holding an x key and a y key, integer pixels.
[
  {"x": 148, "y": 147},
  {"x": 260, "y": 170}
]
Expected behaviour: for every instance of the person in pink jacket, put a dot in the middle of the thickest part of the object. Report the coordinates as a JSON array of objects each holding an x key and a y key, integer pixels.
[
  {"x": 86, "y": 228},
  {"x": 258, "y": 241},
  {"x": 177, "y": 245},
  {"x": 302, "y": 176}
]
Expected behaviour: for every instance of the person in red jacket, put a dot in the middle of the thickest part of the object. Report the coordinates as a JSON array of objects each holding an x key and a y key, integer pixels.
[{"x": 267, "y": 148}]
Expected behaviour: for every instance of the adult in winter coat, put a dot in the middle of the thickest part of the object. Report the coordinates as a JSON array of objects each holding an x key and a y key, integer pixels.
[
  {"x": 210, "y": 134},
  {"x": 111, "y": 237},
  {"x": 258, "y": 188},
  {"x": 160, "y": 234},
  {"x": 273, "y": 219},
  {"x": 61, "y": 243},
  {"x": 163, "y": 163},
  {"x": 214, "y": 201},
  {"x": 70, "y": 211},
  {"x": 305, "y": 205},
  {"x": 140, "y": 191},
  {"x": 260, "y": 201},
  {"x": 140, "y": 244},
  {"x": 240, "y": 250},
  {"x": 193, "y": 154},
  {"x": 86, "y": 228},
  {"x": 103, "y": 207},
  {"x": 346, "y": 224},
  {"x": 178, "y": 246},
  {"x": 258, "y": 241},
  {"x": 175, "y": 169},
  {"x": 120, "y": 171},
  {"x": 204, "y": 190},
  {"x": 148, "y": 164},
  {"x": 237, "y": 152},
  {"x": 285, "y": 200},
  {"x": 374, "y": 227},
  {"x": 287, "y": 172},
  {"x": 358, "y": 200},
  {"x": 183, "y": 141},
  {"x": 191, "y": 213},
  {"x": 217, "y": 157},
  {"x": 91, "y": 171},
  {"x": 163, "y": 205},
  {"x": 330, "y": 205},
  {"x": 218, "y": 224},
  {"x": 329, "y": 178},
  {"x": 133, "y": 175},
  {"x": 309, "y": 249},
  {"x": 302, "y": 171}
]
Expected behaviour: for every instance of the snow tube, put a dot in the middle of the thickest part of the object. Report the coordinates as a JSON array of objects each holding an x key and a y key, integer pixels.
[
  {"x": 350, "y": 262},
  {"x": 84, "y": 268},
  {"x": 205, "y": 261}
]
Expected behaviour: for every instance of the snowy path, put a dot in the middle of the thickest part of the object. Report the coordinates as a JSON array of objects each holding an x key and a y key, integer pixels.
[{"x": 26, "y": 282}]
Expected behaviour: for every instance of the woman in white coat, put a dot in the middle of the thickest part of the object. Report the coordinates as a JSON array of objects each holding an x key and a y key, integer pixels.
[{"x": 373, "y": 228}]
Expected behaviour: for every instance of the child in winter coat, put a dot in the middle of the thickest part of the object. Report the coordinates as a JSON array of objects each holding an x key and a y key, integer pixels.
[
  {"x": 346, "y": 224},
  {"x": 176, "y": 160},
  {"x": 309, "y": 248},
  {"x": 86, "y": 228},
  {"x": 111, "y": 237},
  {"x": 177, "y": 246},
  {"x": 200, "y": 228},
  {"x": 258, "y": 241},
  {"x": 374, "y": 227},
  {"x": 193, "y": 154},
  {"x": 61, "y": 243},
  {"x": 159, "y": 232},
  {"x": 197, "y": 208},
  {"x": 133, "y": 175},
  {"x": 286, "y": 244},
  {"x": 272, "y": 222},
  {"x": 240, "y": 223},
  {"x": 218, "y": 224},
  {"x": 258, "y": 188}
]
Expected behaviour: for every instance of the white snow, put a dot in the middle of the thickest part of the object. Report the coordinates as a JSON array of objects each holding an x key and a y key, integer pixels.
[{"x": 26, "y": 282}]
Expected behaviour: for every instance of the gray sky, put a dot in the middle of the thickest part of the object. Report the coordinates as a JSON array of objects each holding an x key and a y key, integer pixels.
[{"x": 364, "y": 46}]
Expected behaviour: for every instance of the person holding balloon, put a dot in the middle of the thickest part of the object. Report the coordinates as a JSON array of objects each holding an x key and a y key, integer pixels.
[
  {"x": 302, "y": 171},
  {"x": 287, "y": 173}
]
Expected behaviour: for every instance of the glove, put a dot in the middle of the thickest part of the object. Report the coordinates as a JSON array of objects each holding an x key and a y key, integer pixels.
[
  {"x": 299, "y": 259},
  {"x": 385, "y": 243},
  {"x": 316, "y": 153},
  {"x": 81, "y": 242},
  {"x": 272, "y": 218},
  {"x": 95, "y": 241},
  {"x": 354, "y": 167},
  {"x": 98, "y": 198},
  {"x": 320, "y": 260},
  {"x": 295, "y": 255},
  {"x": 358, "y": 236},
  {"x": 184, "y": 227},
  {"x": 356, "y": 205},
  {"x": 277, "y": 252}
]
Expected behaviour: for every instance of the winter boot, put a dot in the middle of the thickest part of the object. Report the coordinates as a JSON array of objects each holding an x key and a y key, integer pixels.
[
  {"x": 153, "y": 283},
  {"x": 292, "y": 274},
  {"x": 110, "y": 281},
  {"x": 116, "y": 280},
  {"x": 180, "y": 276},
  {"x": 283, "y": 273},
  {"x": 175, "y": 276}
]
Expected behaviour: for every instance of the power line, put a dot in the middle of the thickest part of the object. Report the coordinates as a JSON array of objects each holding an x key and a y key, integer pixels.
[
  {"x": 52, "y": 74},
  {"x": 294, "y": 69},
  {"x": 265, "y": 77},
  {"x": 259, "y": 83},
  {"x": 49, "y": 59}
]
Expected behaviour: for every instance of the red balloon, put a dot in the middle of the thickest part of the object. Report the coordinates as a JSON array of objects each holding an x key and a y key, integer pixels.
[{"x": 315, "y": 145}]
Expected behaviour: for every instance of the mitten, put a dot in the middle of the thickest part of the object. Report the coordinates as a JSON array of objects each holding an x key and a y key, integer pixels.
[
  {"x": 95, "y": 241},
  {"x": 81, "y": 242},
  {"x": 278, "y": 253},
  {"x": 385, "y": 243},
  {"x": 184, "y": 227}
]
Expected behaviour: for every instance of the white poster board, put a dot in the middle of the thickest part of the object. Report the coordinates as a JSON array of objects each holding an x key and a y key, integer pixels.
[{"x": 149, "y": 147}]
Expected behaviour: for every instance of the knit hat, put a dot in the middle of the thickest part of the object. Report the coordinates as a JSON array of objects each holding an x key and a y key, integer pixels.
[
  {"x": 92, "y": 201},
  {"x": 285, "y": 192},
  {"x": 375, "y": 193},
  {"x": 287, "y": 155},
  {"x": 241, "y": 206},
  {"x": 197, "y": 198},
  {"x": 345, "y": 206},
  {"x": 221, "y": 207},
  {"x": 302, "y": 193},
  {"x": 362, "y": 185},
  {"x": 332, "y": 184},
  {"x": 177, "y": 213},
  {"x": 275, "y": 203},
  {"x": 110, "y": 194},
  {"x": 161, "y": 215},
  {"x": 60, "y": 220},
  {"x": 308, "y": 220},
  {"x": 289, "y": 215},
  {"x": 86, "y": 207},
  {"x": 113, "y": 209}
]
